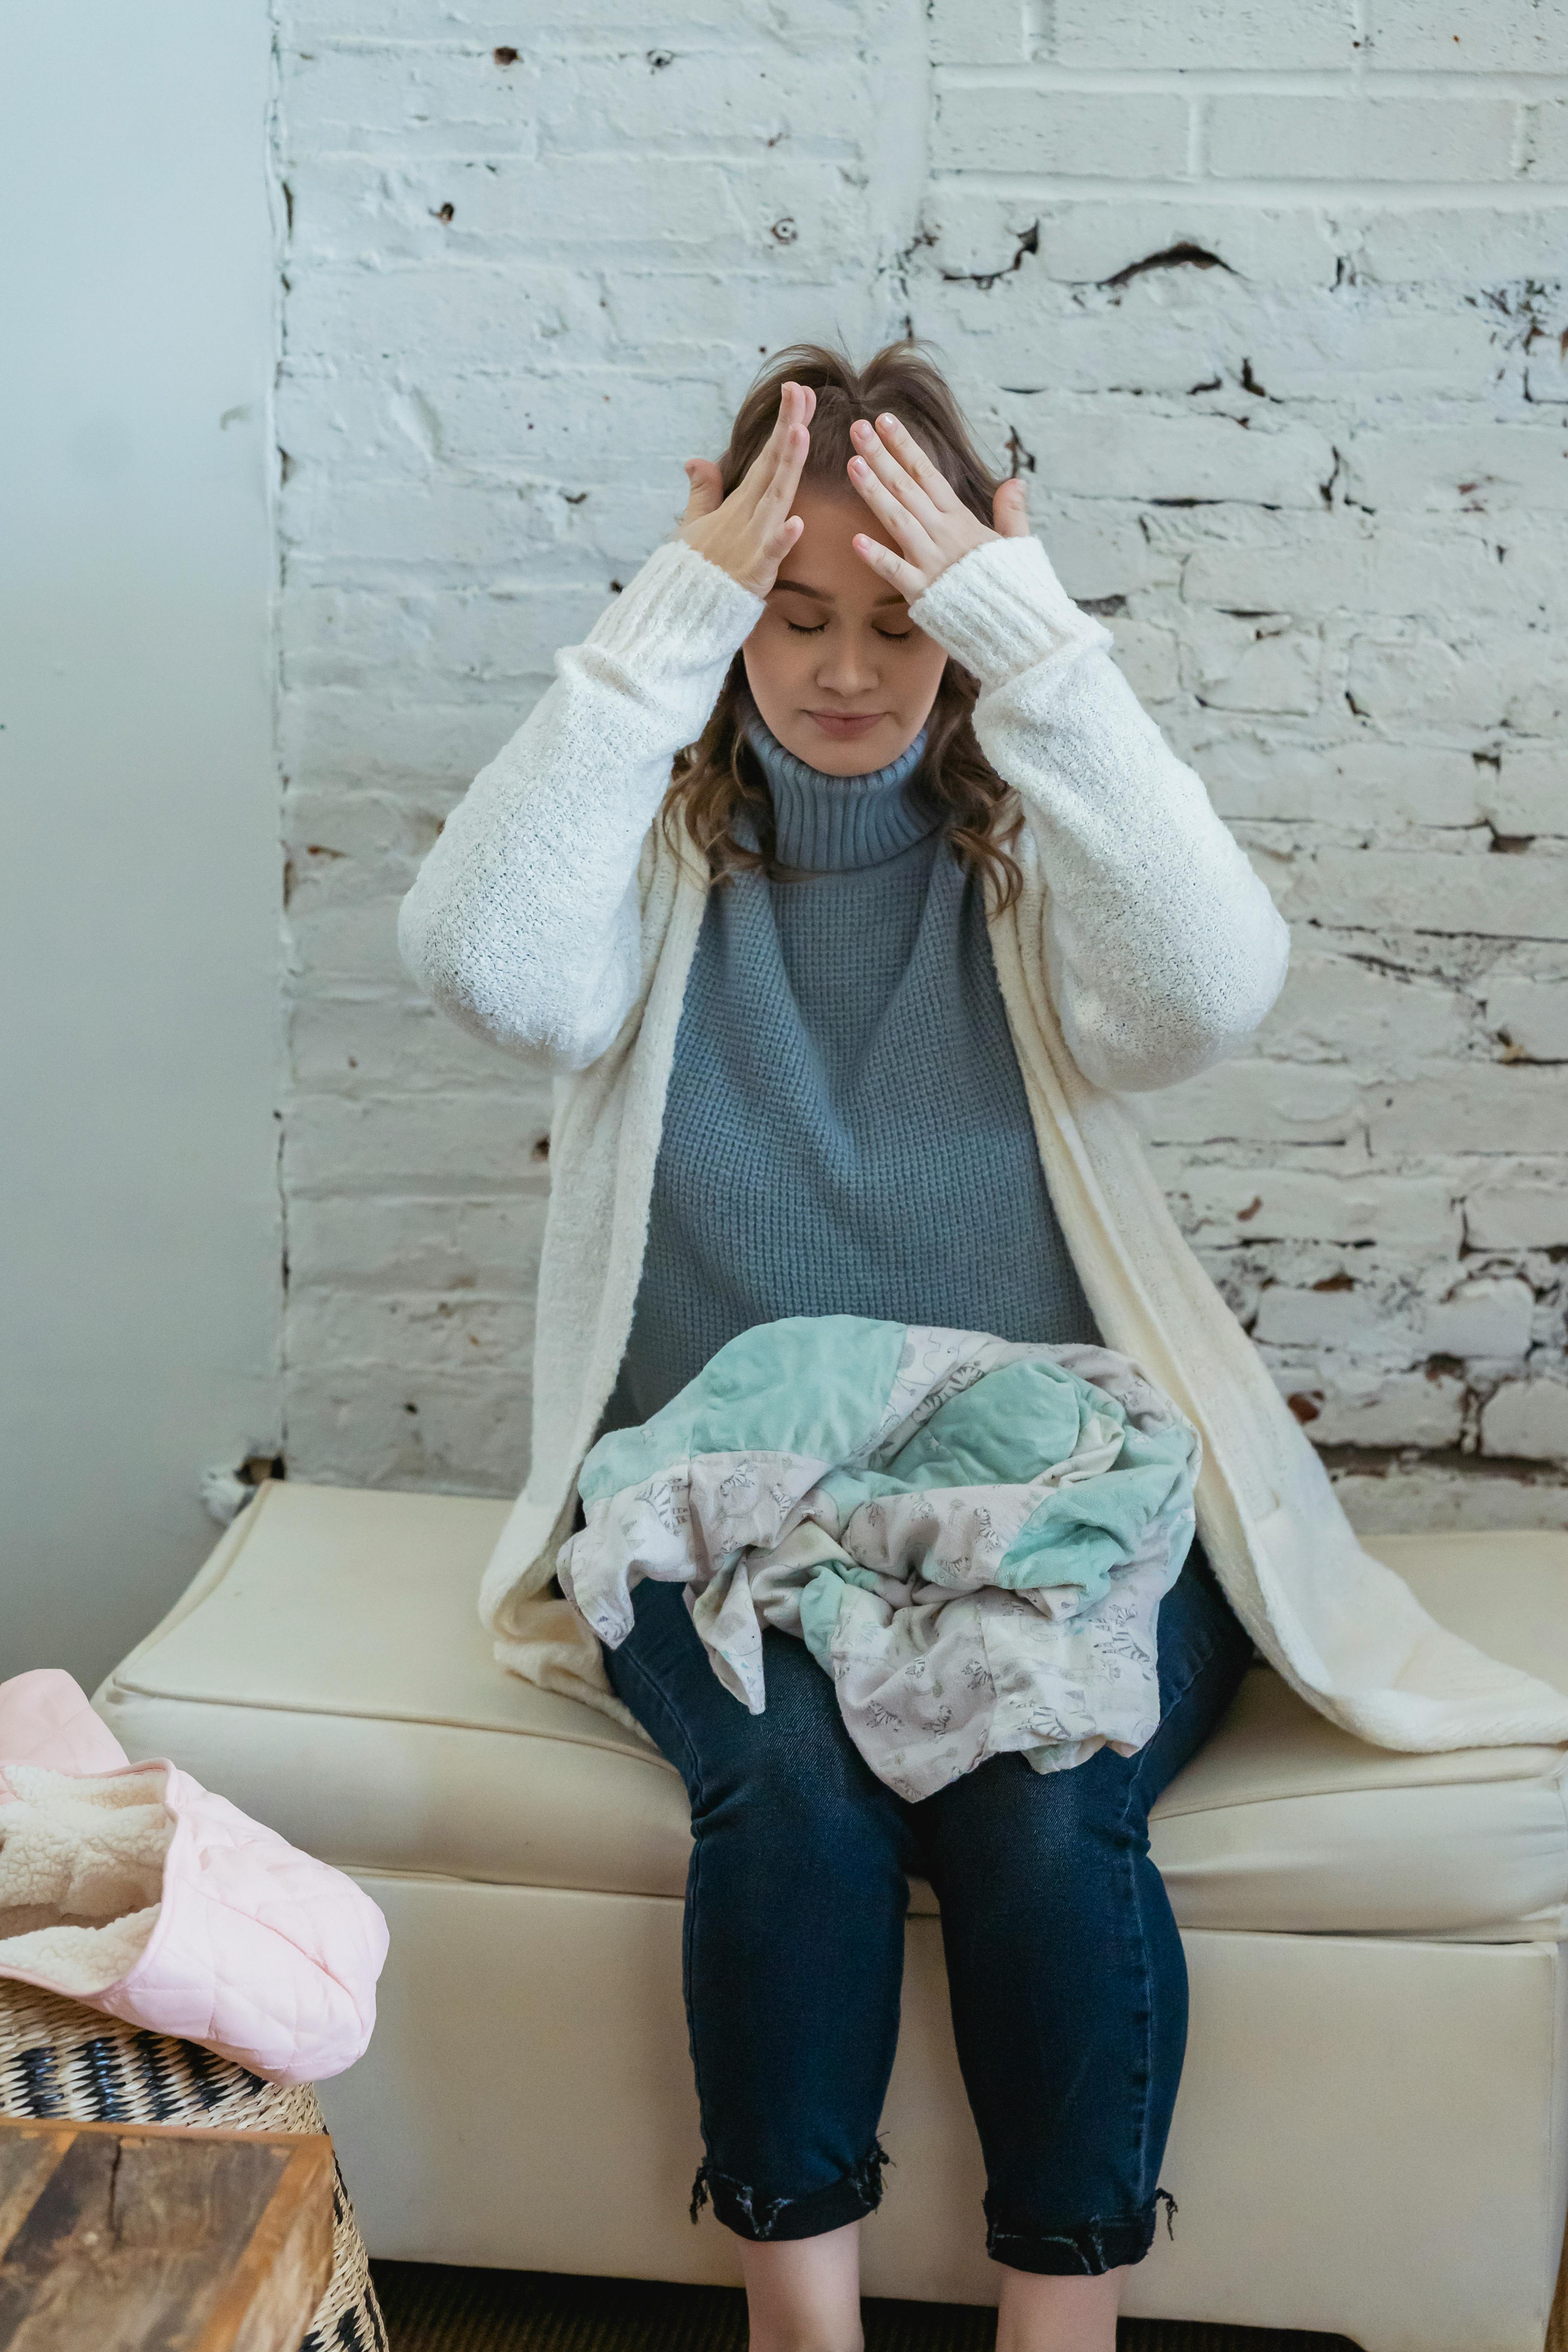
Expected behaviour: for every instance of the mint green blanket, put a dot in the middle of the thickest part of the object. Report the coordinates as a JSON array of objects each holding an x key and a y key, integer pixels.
[{"x": 971, "y": 1535}]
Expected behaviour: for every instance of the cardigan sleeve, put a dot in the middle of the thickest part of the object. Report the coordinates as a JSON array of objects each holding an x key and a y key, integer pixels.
[
  {"x": 523, "y": 919},
  {"x": 1163, "y": 949}
]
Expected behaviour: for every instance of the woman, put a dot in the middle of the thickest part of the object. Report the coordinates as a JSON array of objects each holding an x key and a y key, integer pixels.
[{"x": 842, "y": 1005}]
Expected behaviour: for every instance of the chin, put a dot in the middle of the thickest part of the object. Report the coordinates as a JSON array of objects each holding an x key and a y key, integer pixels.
[{"x": 852, "y": 755}]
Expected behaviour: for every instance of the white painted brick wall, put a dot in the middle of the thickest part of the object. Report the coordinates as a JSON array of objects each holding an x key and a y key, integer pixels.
[{"x": 1268, "y": 303}]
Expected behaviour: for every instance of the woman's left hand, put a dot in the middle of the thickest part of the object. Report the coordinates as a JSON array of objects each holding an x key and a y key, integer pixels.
[{"x": 918, "y": 510}]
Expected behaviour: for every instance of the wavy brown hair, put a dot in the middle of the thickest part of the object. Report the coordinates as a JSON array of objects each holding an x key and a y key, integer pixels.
[{"x": 719, "y": 775}]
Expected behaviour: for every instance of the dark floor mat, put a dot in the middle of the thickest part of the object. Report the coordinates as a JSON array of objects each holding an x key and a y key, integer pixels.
[{"x": 431, "y": 2308}]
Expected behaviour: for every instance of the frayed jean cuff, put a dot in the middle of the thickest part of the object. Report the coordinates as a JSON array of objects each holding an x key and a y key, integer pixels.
[
  {"x": 1083, "y": 2249},
  {"x": 849, "y": 2198}
]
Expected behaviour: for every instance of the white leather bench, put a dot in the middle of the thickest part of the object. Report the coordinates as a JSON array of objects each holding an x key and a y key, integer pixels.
[{"x": 1370, "y": 2134}]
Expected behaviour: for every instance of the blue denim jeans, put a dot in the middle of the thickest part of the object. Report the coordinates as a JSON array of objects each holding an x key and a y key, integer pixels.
[{"x": 1065, "y": 1969}]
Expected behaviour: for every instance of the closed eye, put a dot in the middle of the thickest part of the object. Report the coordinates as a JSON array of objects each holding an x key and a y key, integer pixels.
[{"x": 893, "y": 637}]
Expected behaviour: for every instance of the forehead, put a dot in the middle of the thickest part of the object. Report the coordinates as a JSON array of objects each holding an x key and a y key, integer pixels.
[{"x": 825, "y": 553}]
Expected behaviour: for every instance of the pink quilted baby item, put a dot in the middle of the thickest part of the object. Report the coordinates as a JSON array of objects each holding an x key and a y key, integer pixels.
[
  {"x": 45, "y": 1719},
  {"x": 131, "y": 1888}
]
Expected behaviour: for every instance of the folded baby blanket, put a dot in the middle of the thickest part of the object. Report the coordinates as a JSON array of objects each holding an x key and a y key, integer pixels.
[
  {"x": 133, "y": 1889},
  {"x": 971, "y": 1535}
]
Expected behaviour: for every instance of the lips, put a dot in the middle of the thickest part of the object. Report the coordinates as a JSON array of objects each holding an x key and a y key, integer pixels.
[{"x": 847, "y": 724}]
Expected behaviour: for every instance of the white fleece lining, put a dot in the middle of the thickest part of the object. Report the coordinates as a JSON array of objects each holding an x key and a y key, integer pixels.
[{"x": 81, "y": 1873}]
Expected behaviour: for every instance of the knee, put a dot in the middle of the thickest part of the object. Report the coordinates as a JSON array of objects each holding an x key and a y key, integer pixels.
[
  {"x": 779, "y": 1771},
  {"x": 792, "y": 1779},
  {"x": 1104, "y": 1802},
  {"x": 1073, "y": 1818}
]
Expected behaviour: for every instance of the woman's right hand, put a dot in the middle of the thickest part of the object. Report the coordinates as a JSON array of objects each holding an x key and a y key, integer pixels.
[{"x": 749, "y": 533}]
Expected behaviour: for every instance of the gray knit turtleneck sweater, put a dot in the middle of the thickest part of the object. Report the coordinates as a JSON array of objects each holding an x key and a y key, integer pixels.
[{"x": 846, "y": 1131}]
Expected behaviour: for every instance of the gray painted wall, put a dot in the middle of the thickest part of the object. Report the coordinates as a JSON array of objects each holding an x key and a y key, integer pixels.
[{"x": 140, "y": 1259}]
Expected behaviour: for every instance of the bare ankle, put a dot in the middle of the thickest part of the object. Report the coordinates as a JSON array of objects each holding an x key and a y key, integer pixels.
[
  {"x": 771, "y": 2340},
  {"x": 1067, "y": 2314},
  {"x": 803, "y": 2295}
]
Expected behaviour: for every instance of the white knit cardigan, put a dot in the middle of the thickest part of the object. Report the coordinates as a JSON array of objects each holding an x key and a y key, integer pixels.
[{"x": 552, "y": 916}]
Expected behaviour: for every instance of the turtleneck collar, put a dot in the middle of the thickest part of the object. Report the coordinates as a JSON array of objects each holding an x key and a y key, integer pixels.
[{"x": 830, "y": 825}]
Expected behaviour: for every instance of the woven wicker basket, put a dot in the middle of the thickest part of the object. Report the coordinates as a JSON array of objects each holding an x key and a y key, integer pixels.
[{"x": 60, "y": 2059}]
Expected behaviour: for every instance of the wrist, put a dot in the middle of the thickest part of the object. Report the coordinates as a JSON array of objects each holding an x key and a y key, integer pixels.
[
  {"x": 999, "y": 609},
  {"x": 707, "y": 536},
  {"x": 683, "y": 602}
]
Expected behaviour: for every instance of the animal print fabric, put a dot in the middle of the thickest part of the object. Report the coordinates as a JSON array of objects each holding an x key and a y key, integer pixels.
[{"x": 971, "y": 1535}]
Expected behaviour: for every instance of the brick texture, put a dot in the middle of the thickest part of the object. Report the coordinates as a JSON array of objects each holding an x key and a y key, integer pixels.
[{"x": 1267, "y": 306}]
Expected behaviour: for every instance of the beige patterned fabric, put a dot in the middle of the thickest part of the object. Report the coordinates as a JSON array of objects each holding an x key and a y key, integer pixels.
[{"x": 972, "y": 1536}]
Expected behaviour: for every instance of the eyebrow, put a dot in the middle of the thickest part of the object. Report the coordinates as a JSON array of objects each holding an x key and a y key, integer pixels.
[{"x": 823, "y": 597}]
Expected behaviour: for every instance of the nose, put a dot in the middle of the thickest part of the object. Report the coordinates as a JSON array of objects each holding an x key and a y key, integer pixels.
[{"x": 848, "y": 667}]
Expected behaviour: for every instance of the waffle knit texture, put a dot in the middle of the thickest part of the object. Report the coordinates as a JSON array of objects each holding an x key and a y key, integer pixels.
[
  {"x": 846, "y": 1131},
  {"x": 553, "y": 916}
]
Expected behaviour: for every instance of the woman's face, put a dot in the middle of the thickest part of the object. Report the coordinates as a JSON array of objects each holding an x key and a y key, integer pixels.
[{"x": 836, "y": 666}]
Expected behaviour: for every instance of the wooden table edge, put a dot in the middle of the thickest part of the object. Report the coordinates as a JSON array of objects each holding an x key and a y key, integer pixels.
[{"x": 291, "y": 2242}]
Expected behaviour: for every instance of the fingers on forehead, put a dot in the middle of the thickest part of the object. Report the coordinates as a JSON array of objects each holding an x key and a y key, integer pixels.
[
  {"x": 873, "y": 488},
  {"x": 896, "y": 517},
  {"x": 782, "y": 484},
  {"x": 921, "y": 465},
  {"x": 885, "y": 561},
  {"x": 903, "y": 440},
  {"x": 888, "y": 469}
]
